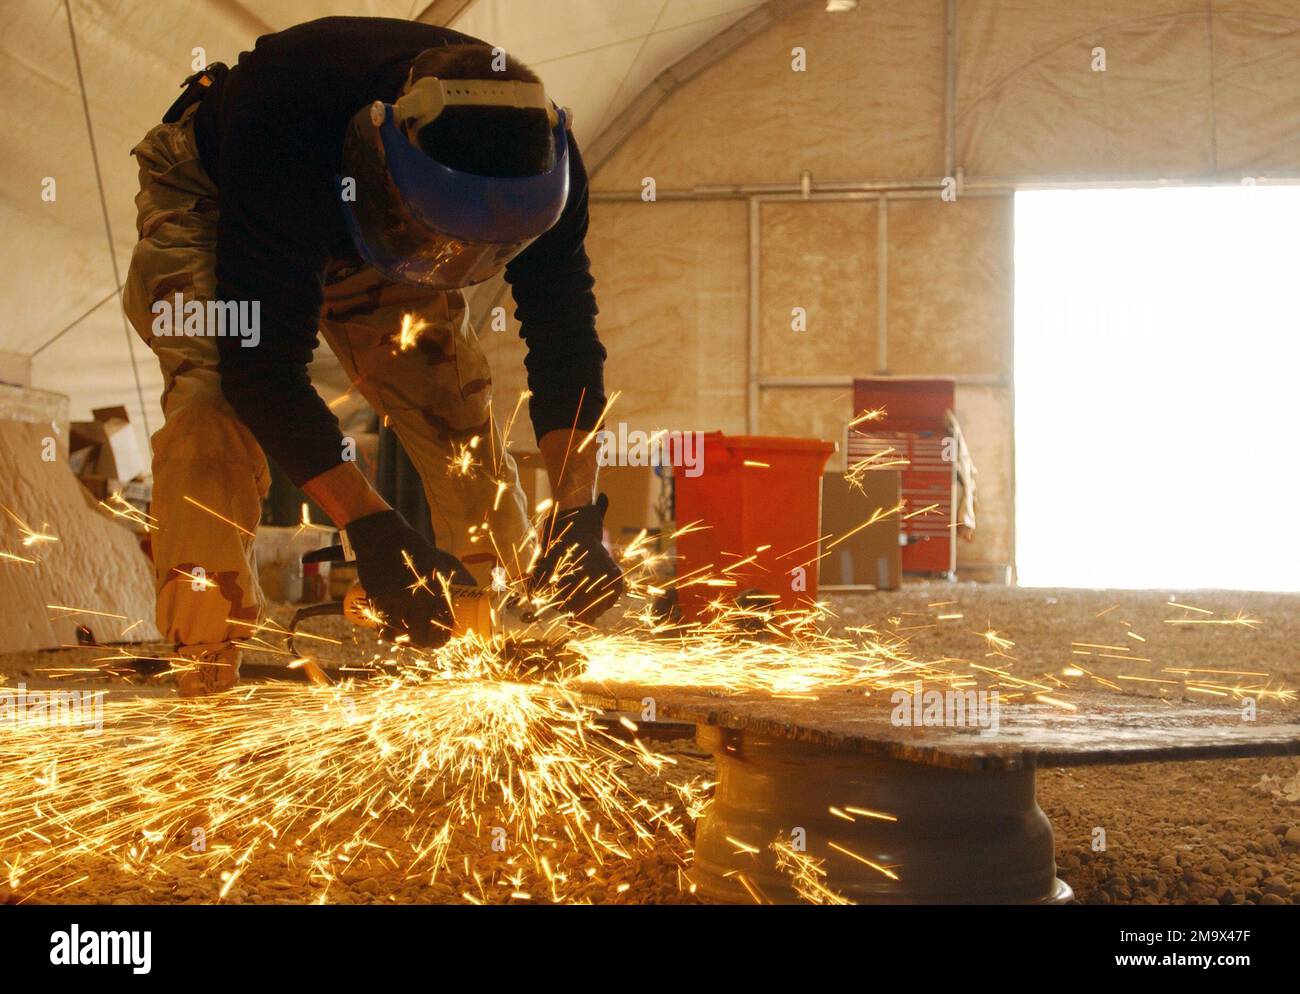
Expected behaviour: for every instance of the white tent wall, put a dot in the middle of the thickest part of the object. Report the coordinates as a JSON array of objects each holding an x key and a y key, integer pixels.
[
  {"x": 1192, "y": 91},
  {"x": 59, "y": 275}
]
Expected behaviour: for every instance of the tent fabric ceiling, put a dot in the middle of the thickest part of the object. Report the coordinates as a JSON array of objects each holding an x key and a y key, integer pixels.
[{"x": 59, "y": 290}]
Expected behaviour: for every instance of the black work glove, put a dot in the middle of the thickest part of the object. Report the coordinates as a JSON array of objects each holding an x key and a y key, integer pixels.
[
  {"x": 586, "y": 580},
  {"x": 378, "y": 541}
]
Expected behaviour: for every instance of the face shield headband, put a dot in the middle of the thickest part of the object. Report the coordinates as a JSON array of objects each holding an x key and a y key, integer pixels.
[{"x": 419, "y": 221}]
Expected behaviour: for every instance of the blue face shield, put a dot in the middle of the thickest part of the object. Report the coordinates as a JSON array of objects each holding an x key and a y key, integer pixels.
[{"x": 419, "y": 221}]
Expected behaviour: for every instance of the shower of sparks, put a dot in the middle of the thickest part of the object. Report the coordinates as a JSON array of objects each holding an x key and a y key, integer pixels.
[
  {"x": 1228, "y": 672},
  {"x": 874, "y": 414},
  {"x": 462, "y": 462},
  {"x": 887, "y": 458},
  {"x": 856, "y": 474},
  {"x": 30, "y": 536},
  {"x": 919, "y": 511},
  {"x": 410, "y": 773},
  {"x": 807, "y": 875},
  {"x": 867, "y": 813},
  {"x": 220, "y": 517},
  {"x": 120, "y": 507},
  {"x": 409, "y": 333},
  {"x": 864, "y": 861},
  {"x": 600, "y": 422},
  {"x": 199, "y": 581},
  {"x": 996, "y": 641},
  {"x": 86, "y": 610},
  {"x": 415, "y": 767},
  {"x": 305, "y": 523},
  {"x": 1240, "y": 619}
]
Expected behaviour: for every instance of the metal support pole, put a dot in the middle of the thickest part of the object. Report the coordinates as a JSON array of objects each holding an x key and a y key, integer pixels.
[
  {"x": 882, "y": 287},
  {"x": 752, "y": 356},
  {"x": 949, "y": 86}
]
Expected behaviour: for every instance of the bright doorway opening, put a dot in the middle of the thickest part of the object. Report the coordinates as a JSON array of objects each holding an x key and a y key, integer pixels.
[{"x": 1157, "y": 380}]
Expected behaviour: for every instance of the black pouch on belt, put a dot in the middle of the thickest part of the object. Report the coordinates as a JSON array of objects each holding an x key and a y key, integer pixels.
[{"x": 196, "y": 88}]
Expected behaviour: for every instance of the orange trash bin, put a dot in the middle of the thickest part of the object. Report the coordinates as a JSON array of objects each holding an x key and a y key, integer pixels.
[{"x": 755, "y": 496}]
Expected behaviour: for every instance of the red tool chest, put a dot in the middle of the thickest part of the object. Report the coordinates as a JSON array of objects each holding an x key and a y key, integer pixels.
[{"x": 914, "y": 429}]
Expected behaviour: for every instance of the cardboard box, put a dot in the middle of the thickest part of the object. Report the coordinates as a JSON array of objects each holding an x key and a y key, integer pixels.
[
  {"x": 82, "y": 460},
  {"x": 871, "y": 557},
  {"x": 107, "y": 447},
  {"x": 278, "y": 552},
  {"x": 136, "y": 492},
  {"x": 633, "y": 493}
]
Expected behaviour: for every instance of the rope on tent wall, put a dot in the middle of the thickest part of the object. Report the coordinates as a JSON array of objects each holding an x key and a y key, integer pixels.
[
  {"x": 1214, "y": 107},
  {"x": 108, "y": 227},
  {"x": 440, "y": 12},
  {"x": 640, "y": 50},
  {"x": 73, "y": 323}
]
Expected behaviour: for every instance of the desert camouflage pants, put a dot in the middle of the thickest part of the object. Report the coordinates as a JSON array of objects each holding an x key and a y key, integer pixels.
[{"x": 435, "y": 396}]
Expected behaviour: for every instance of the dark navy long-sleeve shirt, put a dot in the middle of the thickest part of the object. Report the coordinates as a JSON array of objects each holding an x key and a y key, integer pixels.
[{"x": 271, "y": 135}]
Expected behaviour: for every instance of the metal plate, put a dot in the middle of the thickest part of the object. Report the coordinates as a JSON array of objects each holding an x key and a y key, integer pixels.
[{"x": 1103, "y": 728}]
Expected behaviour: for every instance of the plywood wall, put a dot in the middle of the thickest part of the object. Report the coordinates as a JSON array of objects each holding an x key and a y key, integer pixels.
[
  {"x": 818, "y": 287},
  {"x": 672, "y": 288}
]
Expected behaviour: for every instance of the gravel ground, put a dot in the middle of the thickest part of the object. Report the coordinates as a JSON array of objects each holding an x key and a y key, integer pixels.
[
  {"x": 1206, "y": 832},
  {"x": 1175, "y": 832}
]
